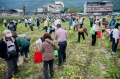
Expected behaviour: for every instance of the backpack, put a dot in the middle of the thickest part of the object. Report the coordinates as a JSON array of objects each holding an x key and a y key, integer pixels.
[{"x": 11, "y": 49}]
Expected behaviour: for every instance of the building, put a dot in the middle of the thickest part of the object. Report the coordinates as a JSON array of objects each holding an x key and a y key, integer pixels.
[
  {"x": 57, "y": 7},
  {"x": 105, "y": 7},
  {"x": 40, "y": 10}
]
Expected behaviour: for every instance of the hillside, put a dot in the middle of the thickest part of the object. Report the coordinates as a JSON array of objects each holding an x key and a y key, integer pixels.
[{"x": 33, "y": 5}]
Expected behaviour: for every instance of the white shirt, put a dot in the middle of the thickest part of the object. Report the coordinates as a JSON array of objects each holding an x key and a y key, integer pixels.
[
  {"x": 26, "y": 21},
  {"x": 115, "y": 34},
  {"x": 95, "y": 27},
  {"x": 57, "y": 21}
]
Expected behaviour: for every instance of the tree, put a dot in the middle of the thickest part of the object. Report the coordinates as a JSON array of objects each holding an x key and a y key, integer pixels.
[{"x": 72, "y": 10}]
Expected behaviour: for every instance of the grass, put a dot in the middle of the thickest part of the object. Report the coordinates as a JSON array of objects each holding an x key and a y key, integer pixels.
[{"x": 83, "y": 60}]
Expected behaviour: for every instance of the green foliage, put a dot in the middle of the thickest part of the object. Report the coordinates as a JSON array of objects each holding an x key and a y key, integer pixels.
[
  {"x": 72, "y": 10},
  {"x": 9, "y": 18}
]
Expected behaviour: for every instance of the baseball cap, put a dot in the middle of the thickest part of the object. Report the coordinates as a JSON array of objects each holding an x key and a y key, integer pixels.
[
  {"x": 58, "y": 25},
  {"x": 7, "y": 33}
]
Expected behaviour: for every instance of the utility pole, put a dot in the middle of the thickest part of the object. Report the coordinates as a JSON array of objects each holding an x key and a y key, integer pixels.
[{"x": 23, "y": 6}]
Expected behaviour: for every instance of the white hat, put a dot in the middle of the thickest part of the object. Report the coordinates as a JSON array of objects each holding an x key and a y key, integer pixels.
[{"x": 7, "y": 33}]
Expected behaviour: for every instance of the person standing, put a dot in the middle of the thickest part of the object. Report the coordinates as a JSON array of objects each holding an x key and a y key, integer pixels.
[
  {"x": 9, "y": 52},
  {"x": 47, "y": 48},
  {"x": 81, "y": 21},
  {"x": 95, "y": 29},
  {"x": 38, "y": 23},
  {"x": 112, "y": 23},
  {"x": 91, "y": 21},
  {"x": 70, "y": 22},
  {"x": 5, "y": 22},
  {"x": 26, "y": 22},
  {"x": 61, "y": 37},
  {"x": 115, "y": 38}
]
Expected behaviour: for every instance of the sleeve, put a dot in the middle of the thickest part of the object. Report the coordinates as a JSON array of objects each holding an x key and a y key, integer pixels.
[
  {"x": 17, "y": 47},
  {"x": 56, "y": 47},
  {"x": 85, "y": 30},
  {"x": 66, "y": 35},
  {"x": 41, "y": 49},
  {"x": 56, "y": 36}
]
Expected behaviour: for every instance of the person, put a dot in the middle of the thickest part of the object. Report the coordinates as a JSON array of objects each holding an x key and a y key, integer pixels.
[
  {"x": 38, "y": 23},
  {"x": 61, "y": 37},
  {"x": 95, "y": 28},
  {"x": 105, "y": 23},
  {"x": 76, "y": 26},
  {"x": 91, "y": 21},
  {"x": 112, "y": 23},
  {"x": 57, "y": 21},
  {"x": 30, "y": 24},
  {"x": 9, "y": 52},
  {"x": 23, "y": 45},
  {"x": 12, "y": 27},
  {"x": 46, "y": 25},
  {"x": 47, "y": 48},
  {"x": 52, "y": 29},
  {"x": 81, "y": 21},
  {"x": 5, "y": 22},
  {"x": 70, "y": 22},
  {"x": 26, "y": 22},
  {"x": 81, "y": 31},
  {"x": 115, "y": 38}
]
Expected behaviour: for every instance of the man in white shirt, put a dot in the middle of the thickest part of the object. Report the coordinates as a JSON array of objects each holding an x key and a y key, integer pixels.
[{"x": 95, "y": 28}]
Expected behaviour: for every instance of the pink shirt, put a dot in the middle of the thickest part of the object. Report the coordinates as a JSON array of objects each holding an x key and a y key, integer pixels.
[{"x": 61, "y": 35}]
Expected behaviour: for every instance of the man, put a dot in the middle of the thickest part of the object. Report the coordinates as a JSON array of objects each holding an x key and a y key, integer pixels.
[
  {"x": 61, "y": 37},
  {"x": 9, "y": 52}
]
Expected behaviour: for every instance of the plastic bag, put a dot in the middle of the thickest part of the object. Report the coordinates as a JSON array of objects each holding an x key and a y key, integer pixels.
[
  {"x": 56, "y": 53},
  {"x": 99, "y": 34},
  {"x": 92, "y": 31},
  {"x": 20, "y": 60},
  {"x": 37, "y": 57}
]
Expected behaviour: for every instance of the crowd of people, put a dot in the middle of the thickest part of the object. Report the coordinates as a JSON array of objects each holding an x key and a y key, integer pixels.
[{"x": 13, "y": 45}]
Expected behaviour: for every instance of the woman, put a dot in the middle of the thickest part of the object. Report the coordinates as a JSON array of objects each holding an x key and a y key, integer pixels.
[
  {"x": 115, "y": 38},
  {"x": 95, "y": 28},
  {"x": 47, "y": 48}
]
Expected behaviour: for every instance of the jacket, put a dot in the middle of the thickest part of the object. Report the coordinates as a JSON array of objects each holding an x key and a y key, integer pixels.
[
  {"x": 3, "y": 48},
  {"x": 12, "y": 27},
  {"x": 47, "y": 48},
  {"x": 22, "y": 42}
]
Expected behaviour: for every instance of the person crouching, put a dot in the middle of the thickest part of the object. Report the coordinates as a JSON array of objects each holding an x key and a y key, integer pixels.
[{"x": 81, "y": 31}]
